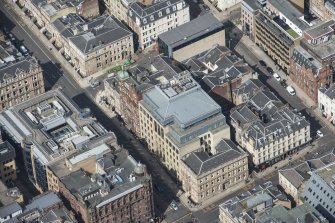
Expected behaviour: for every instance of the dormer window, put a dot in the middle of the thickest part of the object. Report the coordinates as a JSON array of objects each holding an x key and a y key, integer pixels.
[
  {"x": 174, "y": 8},
  {"x": 145, "y": 21},
  {"x": 152, "y": 18},
  {"x": 168, "y": 10},
  {"x": 160, "y": 14}
]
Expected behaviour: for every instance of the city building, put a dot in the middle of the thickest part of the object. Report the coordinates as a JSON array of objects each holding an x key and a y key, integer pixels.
[
  {"x": 293, "y": 180},
  {"x": 249, "y": 9},
  {"x": 320, "y": 192},
  {"x": 44, "y": 208},
  {"x": 120, "y": 191},
  {"x": 249, "y": 205},
  {"x": 207, "y": 174},
  {"x": 303, "y": 213},
  {"x": 124, "y": 90},
  {"x": 149, "y": 21},
  {"x": 268, "y": 129},
  {"x": 60, "y": 27},
  {"x": 9, "y": 211},
  {"x": 226, "y": 4},
  {"x": 192, "y": 38},
  {"x": 177, "y": 118},
  {"x": 223, "y": 74},
  {"x": 45, "y": 12},
  {"x": 279, "y": 27},
  {"x": 326, "y": 102},
  {"x": 47, "y": 128},
  {"x": 119, "y": 8},
  {"x": 312, "y": 63},
  {"x": 97, "y": 45},
  {"x": 249, "y": 88},
  {"x": 324, "y": 9},
  {"x": 20, "y": 81},
  {"x": 7, "y": 162},
  {"x": 10, "y": 195}
]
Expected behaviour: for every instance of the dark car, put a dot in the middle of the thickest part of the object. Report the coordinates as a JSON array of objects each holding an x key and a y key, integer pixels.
[
  {"x": 283, "y": 83},
  {"x": 262, "y": 63},
  {"x": 205, "y": 7},
  {"x": 269, "y": 70}
]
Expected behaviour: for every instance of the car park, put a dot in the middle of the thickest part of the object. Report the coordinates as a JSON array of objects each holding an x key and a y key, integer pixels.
[
  {"x": 276, "y": 76},
  {"x": 290, "y": 90}
]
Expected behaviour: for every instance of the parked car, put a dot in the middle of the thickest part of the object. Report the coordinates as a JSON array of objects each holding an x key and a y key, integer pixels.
[
  {"x": 23, "y": 50},
  {"x": 269, "y": 70},
  {"x": 283, "y": 83},
  {"x": 11, "y": 37},
  {"x": 174, "y": 206},
  {"x": 95, "y": 84},
  {"x": 206, "y": 7},
  {"x": 262, "y": 63},
  {"x": 276, "y": 76},
  {"x": 319, "y": 133},
  {"x": 290, "y": 90}
]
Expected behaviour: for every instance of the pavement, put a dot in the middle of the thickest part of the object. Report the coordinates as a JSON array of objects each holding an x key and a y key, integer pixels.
[{"x": 57, "y": 73}]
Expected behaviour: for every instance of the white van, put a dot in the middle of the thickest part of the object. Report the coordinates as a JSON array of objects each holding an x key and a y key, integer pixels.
[{"x": 290, "y": 90}]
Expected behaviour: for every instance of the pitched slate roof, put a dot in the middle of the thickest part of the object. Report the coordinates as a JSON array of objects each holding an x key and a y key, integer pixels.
[
  {"x": 200, "y": 162},
  {"x": 273, "y": 121},
  {"x": 143, "y": 15},
  {"x": 97, "y": 33},
  {"x": 15, "y": 68},
  {"x": 303, "y": 58}
]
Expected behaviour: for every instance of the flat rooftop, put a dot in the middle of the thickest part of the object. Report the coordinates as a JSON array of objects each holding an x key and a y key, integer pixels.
[
  {"x": 327, "y": 173},
  {"x": 290, "y": 12},
  {"x": 321, "y": 29},
  {"x": 53, "y": 124},
  {"x": 184, "y": 102},
  {"x": 187, "y": 32}
]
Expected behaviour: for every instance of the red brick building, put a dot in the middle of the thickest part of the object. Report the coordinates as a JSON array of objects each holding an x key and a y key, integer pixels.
[
  {"x": 312, "y": 63},
  {"x": 123, "y": 193}
]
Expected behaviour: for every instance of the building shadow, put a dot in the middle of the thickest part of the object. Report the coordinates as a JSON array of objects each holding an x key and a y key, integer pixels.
[{"x": 163, "y": 196}]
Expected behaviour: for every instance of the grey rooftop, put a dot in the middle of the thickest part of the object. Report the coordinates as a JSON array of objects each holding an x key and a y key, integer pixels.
[
  {"x": 7, "y": 152},
  {"x": 187, "y": 32},
  {"x": 201, "y": 162},
  {"x": 97, "y": 33},
  {"x": 187, "y": 107}
]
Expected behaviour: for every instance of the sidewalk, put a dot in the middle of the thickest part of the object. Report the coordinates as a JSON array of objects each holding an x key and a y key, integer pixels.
[
  {"x": 83, "y": 82},
  {"x": 308, "y": 102},
  {"x": 214, "y": 199}
]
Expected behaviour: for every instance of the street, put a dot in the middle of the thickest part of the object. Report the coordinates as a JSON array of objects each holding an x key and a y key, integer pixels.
[{"x": 56, "y": 77}]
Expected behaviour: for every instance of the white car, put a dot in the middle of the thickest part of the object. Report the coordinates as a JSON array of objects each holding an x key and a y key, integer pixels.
[
  {"x": 174, "y": 206},
  {"x": 319, "y": 133},
  {"x": 290, "y": 90},
  {"x": 276, "y": 76}
]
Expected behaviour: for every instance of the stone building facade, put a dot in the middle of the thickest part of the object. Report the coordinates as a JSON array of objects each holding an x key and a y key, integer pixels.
[
  {"x": 20, "y": 81},
  {"x": 312, "y": 64}
]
